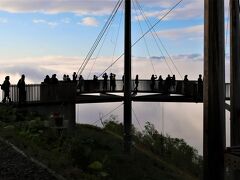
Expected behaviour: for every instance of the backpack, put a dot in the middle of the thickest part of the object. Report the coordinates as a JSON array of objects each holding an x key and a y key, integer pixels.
[{"x": 3, "y": 86}]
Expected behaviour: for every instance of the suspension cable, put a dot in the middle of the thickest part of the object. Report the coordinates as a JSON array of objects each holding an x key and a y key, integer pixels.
[
  {"x": 95, "y": 59},
  {"x": 163, "y": 121},
  {"x": 103, "y": 44},
  {"x": 165, "y": 49},
  {"x": 114, "y": 50},
  {"x": 165, "y": 60},
  {"x": 145, "y": 42},
  {"x": 112, "y": 17},
  {"x": 135, "y": 115},
  {"x": 107, "y": 114},
  {"x": 168, "y": 12},
  {"x": 97, "y": 41},
  {"x": 99, "y": 36}
]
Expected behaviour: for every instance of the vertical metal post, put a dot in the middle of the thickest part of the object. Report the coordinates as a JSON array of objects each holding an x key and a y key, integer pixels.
[
  {"x": 127, "y": 79},
  {"x": 235, "y": 72},
  {"x": 235, "y": 77},
  {"x": 214, "y": 90}
]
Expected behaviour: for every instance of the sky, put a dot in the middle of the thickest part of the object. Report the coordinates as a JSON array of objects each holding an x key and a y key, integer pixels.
[{"x": 40, "y": 37}]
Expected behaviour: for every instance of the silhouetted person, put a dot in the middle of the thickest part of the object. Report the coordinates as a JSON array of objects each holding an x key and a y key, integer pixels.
[
  {"x": 74, "y": 77},
  {"x": 47, "y": 79},
  {"x": 64, "y": 77},
  {"x": 54, "y": 79},
  {"x": 136, "y": 83},
  {"x": 95, "y": 82},
  {"x": 173, "y": 82},
  {"x": 105, "y": 79},
  {"x": 152, "y": 85},
  {"x": 6, "y": 89},
  {"x": 21, "y": 89},
  {"x": 167, "y": 83},
  {"x": 112, "y": 82},
  {"x": 95, "y": 78},
  {"x": 80, "y": 83},
  {"x": 200, "y": 86},
  {"x": 160, "y": 83},
  {"x": 68, "y": 78},
  {"x": 123, "y": 78},
  {"x": 185, "y": 84}
]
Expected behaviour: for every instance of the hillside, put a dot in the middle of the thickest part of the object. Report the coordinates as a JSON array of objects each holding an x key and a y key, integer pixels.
[{"x": 89, "y": 152}]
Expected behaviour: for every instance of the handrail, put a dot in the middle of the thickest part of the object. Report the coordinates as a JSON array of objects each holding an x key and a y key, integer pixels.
[{"x": 67, "y": 91}]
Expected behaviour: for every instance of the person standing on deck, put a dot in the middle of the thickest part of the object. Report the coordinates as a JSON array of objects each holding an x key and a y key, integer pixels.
[
  {"x": 114, "y": 82},
  {"x": 167, "y": 84},
  {"x": 200, "y": 86},
  {"x": 136, "y": 83},
  {"x": 185, "y": 85},
  {"x": 105, "y": 78},
  {"x": 173, "y": 83},
  {"x": 153, "y": 78},
  {"x": 21, "y": 89},
  {"x": 160, "y": 83},
  {"x": 74, "y": 77},
  {"x": 80, "y": 84},
  {"x": 6, "y": 89},
  {"x": 123, "y": 78},
  {"x": 54, "y": 79},
  {"x": 111, "y": 81}
]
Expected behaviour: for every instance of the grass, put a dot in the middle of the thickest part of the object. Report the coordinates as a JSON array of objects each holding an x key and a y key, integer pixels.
[{"x": 87, "y": 152}]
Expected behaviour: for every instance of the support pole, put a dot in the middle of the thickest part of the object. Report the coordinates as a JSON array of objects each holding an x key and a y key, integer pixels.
[
  {"x": 235, "y": 77},
  {"x": 235, "y": 73},
  {"x": 214, "y": 90},
  {"x": 127, "y": 80}
]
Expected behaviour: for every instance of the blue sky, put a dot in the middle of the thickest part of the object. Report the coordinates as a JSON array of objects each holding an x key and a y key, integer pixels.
[
  {"x": 35, "y": 29},
  {"x": 39, "y": 37}
]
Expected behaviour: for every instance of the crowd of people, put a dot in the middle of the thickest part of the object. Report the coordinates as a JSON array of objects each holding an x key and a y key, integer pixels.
[{"x": 168, "y": 85}]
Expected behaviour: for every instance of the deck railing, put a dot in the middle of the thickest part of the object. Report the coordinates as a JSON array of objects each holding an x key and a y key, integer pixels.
[{"x": 68, "y": 91}]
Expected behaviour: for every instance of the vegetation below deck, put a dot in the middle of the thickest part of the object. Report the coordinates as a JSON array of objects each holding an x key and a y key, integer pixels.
[{"x": 93, "y": 153}]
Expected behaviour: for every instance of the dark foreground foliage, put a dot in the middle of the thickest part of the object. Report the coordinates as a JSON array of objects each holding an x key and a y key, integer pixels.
[
  {"x": 173, "y": 150},
  {"x": 92, "y": 153}
]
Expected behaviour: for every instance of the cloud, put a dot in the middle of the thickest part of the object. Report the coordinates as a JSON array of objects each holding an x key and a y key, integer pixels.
[
  {"x": 190, "y": 64},
  {"x": 42, "y": 21},
  {"x": 3, "y": 21},
  {"x": 89, "y": 21},
  {"x": 58, "y": 6},
  {"x": 103, "y": 7},
  {"x": 37, "y": 68},
  {"x": 187, "y": 33},
  {"x": 187, "y": 9},
  {"x": 33, "y": 74}
]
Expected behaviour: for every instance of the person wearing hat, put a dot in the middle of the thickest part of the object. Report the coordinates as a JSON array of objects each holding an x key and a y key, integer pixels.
[{"x": 6, "y": 89}]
